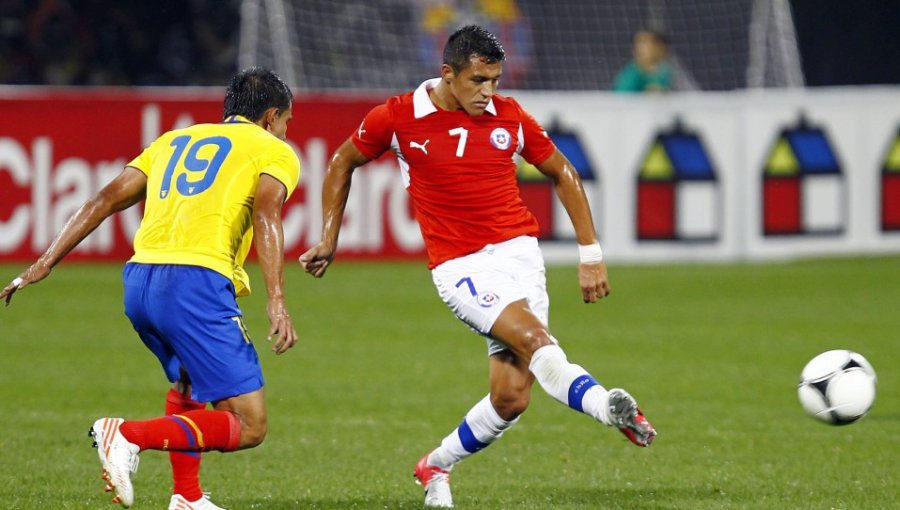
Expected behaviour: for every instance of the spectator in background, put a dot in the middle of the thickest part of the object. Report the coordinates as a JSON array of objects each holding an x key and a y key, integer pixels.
[
  {"x": 437, "y": 19},
  {"x": 650, "y": 70},
  {"x": 107, "y": 42}
]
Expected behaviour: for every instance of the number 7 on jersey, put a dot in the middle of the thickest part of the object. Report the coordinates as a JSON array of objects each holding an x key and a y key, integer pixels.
[{"x": 463, "y": 134}]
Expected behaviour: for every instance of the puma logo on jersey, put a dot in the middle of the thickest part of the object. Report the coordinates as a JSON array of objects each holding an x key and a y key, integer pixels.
[{"x": 414, "y": 145}]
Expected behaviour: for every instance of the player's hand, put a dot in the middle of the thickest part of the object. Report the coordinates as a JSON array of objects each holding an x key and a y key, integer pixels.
[
  {"x": 594, "y": 281},
  {"x": 317, "y": 259},
  {"x": 281, "y": 327},
  {"x": 7, "y": 293},
  {"x": 33, "y": 274}
]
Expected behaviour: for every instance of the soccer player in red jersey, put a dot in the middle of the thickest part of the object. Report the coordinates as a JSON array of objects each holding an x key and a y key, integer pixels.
[{"x": 455, "y": 139}]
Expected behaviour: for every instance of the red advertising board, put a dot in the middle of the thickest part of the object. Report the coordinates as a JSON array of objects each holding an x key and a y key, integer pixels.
[{"x": 59, "y": 147}]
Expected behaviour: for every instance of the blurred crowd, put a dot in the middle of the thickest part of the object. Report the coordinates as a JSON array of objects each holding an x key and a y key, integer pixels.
[
  {"x": 392, "y": 44},
  {"x": 437, "y": 19},
  {"x": 195, "y": 42},
  {"x": 113, "y": 42}
]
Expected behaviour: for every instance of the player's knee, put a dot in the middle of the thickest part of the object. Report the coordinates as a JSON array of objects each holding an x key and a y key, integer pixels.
[
  {"x": 253, "y": 435},
  {"x": 533, "y": 339},
  {"x": 510, "y": 405}
]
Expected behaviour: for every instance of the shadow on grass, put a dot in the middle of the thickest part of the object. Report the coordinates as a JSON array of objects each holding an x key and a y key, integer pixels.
[
  {"x": 528, "y": 498},
  {"x": 336, "y": 503},
  {"x": 608, "y": 498},
  {"x": 881, "y": 416}
]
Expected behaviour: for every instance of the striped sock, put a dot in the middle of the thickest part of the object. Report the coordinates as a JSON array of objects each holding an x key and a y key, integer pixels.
[
  {"x": 185, "y": 465},
  {"x": 481, "y": 427},
  {"x": 569, "y": 383},
  {"x": 192, "y": 431}
]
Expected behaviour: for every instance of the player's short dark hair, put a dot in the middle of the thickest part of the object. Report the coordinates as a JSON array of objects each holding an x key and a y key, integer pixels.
[
  {"x": 472, "y": 40},
  {"x": 659, "y": 35},
  {"x": 253, "y": 91}
]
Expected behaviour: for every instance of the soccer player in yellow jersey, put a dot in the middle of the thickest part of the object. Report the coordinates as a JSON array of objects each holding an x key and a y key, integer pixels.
[{"x": 210, "y": 190}]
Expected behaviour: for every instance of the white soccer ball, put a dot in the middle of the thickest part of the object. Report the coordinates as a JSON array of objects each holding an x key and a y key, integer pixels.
[{"x": 837, "y": 387}]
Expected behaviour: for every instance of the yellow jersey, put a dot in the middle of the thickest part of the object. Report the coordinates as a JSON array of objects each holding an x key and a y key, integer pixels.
[{"x": 201, "y": 181}]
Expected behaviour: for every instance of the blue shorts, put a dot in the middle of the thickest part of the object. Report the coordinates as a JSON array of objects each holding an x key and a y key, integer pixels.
[{"x": 188, "y": 317}]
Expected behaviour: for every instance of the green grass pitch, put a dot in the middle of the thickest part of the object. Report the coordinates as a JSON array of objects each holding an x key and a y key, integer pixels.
[{"x": 384, "y": 371}]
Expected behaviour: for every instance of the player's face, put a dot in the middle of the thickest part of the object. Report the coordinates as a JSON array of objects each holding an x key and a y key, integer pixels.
[
  {"x": 475, "y": 85},
  {"x": 648, "y": 50},
  {"x": 278, "y": 123}
]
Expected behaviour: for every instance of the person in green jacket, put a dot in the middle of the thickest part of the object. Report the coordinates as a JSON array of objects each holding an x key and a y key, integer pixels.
[{"x": 650, "y": 70}]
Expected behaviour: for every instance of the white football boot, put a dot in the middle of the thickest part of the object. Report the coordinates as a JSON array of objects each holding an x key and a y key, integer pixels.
[
  {"x": 118, "y": 457},
  {"x": 625, "y": 415},
  {"x": 178, "y": 502},
  {"x": 436, "y": 482}
]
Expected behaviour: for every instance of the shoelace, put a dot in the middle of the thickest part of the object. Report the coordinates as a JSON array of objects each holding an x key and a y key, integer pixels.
[
  {"x": 623, "y": 417},
  {"x": 133, "y": 462},
  {"x": 438, "y": 489},
  {"x": 440, "y": 477}
]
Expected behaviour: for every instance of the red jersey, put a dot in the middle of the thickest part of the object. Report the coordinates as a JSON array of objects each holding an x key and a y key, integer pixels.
[{"x": 458, "y": 169}]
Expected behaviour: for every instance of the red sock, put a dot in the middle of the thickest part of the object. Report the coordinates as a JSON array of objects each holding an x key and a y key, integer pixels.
[
  {"x": 193, "y": 431},
  {"x": 185, "y": 465}
]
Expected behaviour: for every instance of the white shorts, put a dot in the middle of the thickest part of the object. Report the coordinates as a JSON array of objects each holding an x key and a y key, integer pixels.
[{"x": 478, "y": 286}]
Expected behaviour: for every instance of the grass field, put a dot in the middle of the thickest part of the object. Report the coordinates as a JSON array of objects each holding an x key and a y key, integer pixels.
[{"x": 384, "y": 371}]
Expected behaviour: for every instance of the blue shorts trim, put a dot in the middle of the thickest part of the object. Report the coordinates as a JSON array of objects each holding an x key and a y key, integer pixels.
[{"x": 188, "y": 317}]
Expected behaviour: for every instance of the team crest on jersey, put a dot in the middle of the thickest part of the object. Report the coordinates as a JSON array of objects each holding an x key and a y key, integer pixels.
[
  {"x": 488, "y": 299},
  {"x": 500, "y": 138}
]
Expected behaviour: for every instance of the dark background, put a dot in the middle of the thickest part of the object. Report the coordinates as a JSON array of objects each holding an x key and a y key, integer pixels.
[
  {"x": 852, "y": 42},
  {"x": 194, "y": 42}
]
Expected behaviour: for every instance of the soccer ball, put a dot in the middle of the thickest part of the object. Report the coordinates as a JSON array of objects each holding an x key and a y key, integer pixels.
[{"x": 837, "y": 387}]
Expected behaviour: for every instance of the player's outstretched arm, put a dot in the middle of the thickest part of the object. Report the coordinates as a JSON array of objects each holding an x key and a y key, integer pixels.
[
  {"x": 268, "y": 236},
  {"x": 335, "y": 191},
  {"x": 592, "y": 276},
  {"x": 125, "y": 190}
]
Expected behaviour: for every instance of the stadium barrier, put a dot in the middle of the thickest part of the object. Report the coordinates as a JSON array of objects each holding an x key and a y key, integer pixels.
[{"x": 712, "y": 176}]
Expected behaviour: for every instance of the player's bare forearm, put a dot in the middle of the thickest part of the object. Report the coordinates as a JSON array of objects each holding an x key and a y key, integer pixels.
[
  {"x": 570, "y": 190},
  {"x": 335, "y": 190},
  {"x": 593, "y": 278},
  {"x": 268, "y": 237},
  {"x": 124, "y": 191}
]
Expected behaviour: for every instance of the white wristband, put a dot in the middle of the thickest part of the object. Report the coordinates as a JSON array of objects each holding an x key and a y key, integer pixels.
[
  {"x": 590, "y": 253},
  {"x": 17, "y": 282}
]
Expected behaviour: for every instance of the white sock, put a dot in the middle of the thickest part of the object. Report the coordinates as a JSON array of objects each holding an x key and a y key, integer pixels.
[
  {"x": 481, "y": 427},
  {"x": 569, "y": 383}
]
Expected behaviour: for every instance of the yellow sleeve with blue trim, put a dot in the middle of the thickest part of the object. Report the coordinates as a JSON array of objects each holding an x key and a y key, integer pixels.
[{"x": 282, "y": 164}]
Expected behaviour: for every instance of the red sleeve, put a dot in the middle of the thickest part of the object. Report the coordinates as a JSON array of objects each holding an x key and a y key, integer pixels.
[
  {"x": 373, "y": 137},
  {"x": 536, "y": 144}
]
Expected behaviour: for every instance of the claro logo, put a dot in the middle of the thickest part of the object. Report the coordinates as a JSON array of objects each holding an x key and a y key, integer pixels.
[
  {"x": 45, "y": 193},
  {"x": 56, "y": 192}
]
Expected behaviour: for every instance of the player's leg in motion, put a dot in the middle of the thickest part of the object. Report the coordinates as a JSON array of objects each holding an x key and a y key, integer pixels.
[
  {"x": 527, "y": 352},
  {"x": 567, "y": 382},
  {"x": 119, "y": 441},
  {"x": 185, "y": 465},
  {"x": 191, "y": 311},
  {"x": 483, "y": 424}
]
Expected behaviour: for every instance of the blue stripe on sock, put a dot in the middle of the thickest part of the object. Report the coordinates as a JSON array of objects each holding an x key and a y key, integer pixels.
[
  {"x": 468, "y": 439},
  {"x": 187, "y": 431},
  {"x": 577, "y": 390}
]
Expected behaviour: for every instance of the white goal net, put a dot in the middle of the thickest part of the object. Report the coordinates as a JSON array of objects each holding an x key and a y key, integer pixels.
[{"x": 553, "y": 45}]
